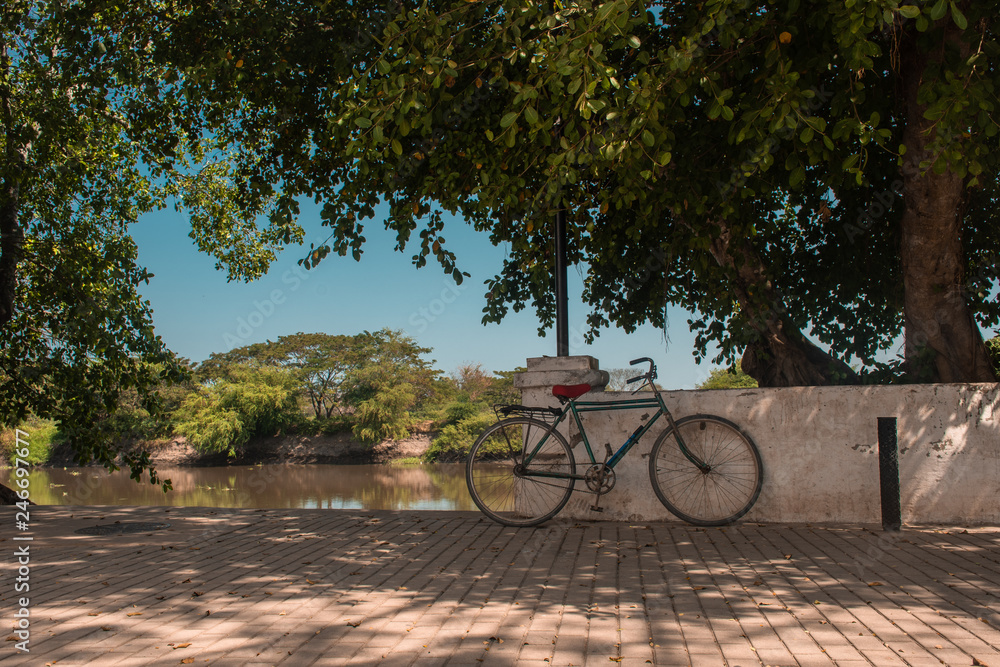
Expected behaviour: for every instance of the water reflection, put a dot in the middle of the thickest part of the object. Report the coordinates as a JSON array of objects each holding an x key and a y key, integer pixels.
[{"x": 429, "y": 487}]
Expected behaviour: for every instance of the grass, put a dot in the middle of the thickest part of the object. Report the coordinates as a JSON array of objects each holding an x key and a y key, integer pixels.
[{"x": 42, "y": 435}]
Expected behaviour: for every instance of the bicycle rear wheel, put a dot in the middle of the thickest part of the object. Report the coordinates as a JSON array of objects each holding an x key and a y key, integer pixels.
[
  {"x": 514, "y": 493},
  {"x": 718, "y": 495}
]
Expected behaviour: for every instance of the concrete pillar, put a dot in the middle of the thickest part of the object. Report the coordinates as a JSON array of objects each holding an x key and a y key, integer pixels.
[{"x": 544, "y": 372}]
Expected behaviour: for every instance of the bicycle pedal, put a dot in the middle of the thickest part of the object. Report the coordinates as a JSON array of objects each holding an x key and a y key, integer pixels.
[{"x": 595, "y": 508}]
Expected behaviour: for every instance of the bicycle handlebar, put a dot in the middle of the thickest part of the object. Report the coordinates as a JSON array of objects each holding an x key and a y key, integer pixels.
[{"x": 650, "y": 375}]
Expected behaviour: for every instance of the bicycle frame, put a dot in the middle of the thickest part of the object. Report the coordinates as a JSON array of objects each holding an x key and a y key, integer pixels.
[{"x": 576, "y": 408}]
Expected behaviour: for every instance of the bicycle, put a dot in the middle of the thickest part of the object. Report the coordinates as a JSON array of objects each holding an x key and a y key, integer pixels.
[{"x": 521, "y": 471}]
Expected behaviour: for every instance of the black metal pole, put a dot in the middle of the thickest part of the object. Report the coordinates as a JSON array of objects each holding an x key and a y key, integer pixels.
[
  {"x": 888, "y": 472},
  {"x": 562, "y": 305}
]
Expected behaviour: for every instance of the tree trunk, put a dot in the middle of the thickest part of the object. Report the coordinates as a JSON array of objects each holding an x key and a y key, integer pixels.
[
  {"x": 942, "y": 341},
  {"x": 781, "y": 356}
]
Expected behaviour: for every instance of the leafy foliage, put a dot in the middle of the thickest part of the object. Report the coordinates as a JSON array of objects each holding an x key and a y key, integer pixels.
[
  {"x": 727, "y": 378},
  {"x": 455, "y": 440},
  {"x": 743, "y": 159},
  {"x": 225, "y": 416},
  {"x": 93, "y": 133},
  {"x": 43, "y": 435}
]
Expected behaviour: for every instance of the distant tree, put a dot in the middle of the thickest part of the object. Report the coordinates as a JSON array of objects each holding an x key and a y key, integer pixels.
[
  {"x": 617, "y": 377},
  {"x": 252, "y": 401},
  {"x": 93, "y": 134},
  {"x": 726, "y": 378},
  {"x": 321, "y": 363},
  {"x": 472, "y": 381},
  {"x": 393, "y": 379}
]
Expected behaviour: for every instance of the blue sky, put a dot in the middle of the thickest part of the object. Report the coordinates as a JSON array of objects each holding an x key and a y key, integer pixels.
[{"x": 197, "y": 312}]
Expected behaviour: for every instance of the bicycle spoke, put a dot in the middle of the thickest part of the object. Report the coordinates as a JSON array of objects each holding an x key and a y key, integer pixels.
[
  {"x": 504, "y": 488},
  {"x": 722, "y": 493}
]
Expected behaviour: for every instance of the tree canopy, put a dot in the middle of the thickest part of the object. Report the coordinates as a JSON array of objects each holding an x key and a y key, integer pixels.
[
  {"x": 788, "y": 170},
  {"x": 93, "y": 133}
]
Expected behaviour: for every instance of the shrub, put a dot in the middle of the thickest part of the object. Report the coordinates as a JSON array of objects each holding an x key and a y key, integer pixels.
[
  {"x": 724, "y": 378},
  {"x": 43, "y": 434},
  {"x": 384, "y": 416},
  {"x": 456, "y": 412},
  {"x": 226, "y": 415},
  {"x": 455, "y": 440}
]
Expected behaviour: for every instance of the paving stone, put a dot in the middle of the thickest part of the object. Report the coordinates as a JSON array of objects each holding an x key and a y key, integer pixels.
[{"x": 332, "y": 587}]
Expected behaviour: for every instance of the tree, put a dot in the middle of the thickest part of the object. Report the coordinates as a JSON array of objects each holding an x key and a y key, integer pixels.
[
  {"x": 726, "y": 378},
  {"x": 253, "y": 401},
  {"x": 713, "y": 154},
  {"x": 472, "y": 381},
  {"x": 93, "y": 134},
  {"x": 320, "y": 362}
]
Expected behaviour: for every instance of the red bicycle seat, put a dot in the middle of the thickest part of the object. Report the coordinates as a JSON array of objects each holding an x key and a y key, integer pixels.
[{"x": 570, "y": 390}]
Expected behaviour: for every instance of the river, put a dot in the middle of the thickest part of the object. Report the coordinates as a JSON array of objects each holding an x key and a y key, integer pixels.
[{"x": 393, "y": 487}]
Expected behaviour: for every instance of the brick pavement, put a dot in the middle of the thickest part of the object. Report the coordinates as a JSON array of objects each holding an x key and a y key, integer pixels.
[{"x": 332, "y": 587}]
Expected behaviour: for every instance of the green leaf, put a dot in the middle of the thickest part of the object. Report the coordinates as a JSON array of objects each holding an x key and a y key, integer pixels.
[
  {"x": 939, "y": 9},
  {"x": 531, "y": 115},
  {"x": 648, "y": 138},
  {"x": 362, "y": 122},
  {"x": 909, "y": 11},
  {"x": 958, "y": 17},
  {"x": 397, "y": 147},
  {"x": 508, "y": 119}
]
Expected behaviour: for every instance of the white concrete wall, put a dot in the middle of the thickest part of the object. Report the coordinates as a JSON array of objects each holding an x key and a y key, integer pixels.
[{"x": 819, "y": 447}]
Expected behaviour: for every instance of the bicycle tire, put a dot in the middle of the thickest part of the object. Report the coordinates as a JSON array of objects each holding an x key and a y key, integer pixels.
[
  {"x": 502, "y": 490},
  {"x": 719, "y": 496}
]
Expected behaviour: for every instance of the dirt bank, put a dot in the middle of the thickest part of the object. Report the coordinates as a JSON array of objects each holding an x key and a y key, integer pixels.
[{"x": 340, "y": 448}]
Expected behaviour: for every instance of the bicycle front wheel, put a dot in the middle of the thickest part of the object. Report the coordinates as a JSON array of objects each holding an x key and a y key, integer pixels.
[
  {"x": 721, "y": 492},
  {"x": 512, "y": 479}
]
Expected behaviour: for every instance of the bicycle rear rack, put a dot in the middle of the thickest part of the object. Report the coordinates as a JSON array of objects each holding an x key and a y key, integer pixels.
[{"x": 545, "y": 414}]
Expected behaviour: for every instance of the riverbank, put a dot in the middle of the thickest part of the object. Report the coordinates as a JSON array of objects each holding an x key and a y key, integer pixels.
[{"x": 340, "y": 448}]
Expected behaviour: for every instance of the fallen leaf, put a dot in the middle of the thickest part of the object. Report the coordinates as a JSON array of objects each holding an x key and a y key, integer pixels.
[
  {"x": 876, "y": 583},
  {"x": 134, "y": 613},
  {"x": 785, "y": 37},
  {"x": 185, "y": 645},
  {"x": 354, "y": 625},
  {"x": 196, "y": 594},
  {"x": 187, "y": 661},
  {"x": 106, "y": 628}
]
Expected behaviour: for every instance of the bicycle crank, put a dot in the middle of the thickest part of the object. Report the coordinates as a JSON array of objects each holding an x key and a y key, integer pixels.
[{"x": 600, "y": 478}]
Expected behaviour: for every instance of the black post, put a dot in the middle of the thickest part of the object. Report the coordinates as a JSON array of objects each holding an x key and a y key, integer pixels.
[
  {"x": 888, "y": 472},
  {"x": 562, "y": 308}
]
